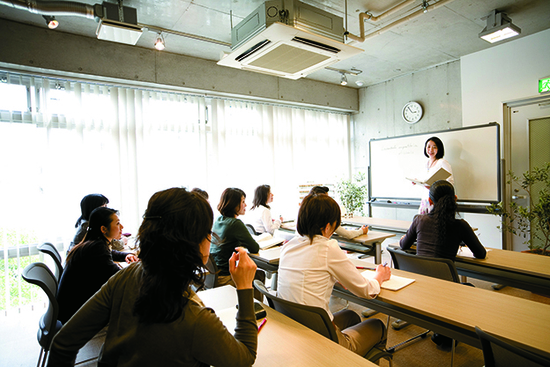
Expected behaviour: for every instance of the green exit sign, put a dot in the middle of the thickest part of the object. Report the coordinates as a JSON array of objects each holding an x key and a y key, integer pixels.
[{"x": 544, "y": 85}]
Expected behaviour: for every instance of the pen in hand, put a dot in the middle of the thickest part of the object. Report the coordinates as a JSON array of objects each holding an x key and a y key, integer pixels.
[{"x": 262, "y": 324}]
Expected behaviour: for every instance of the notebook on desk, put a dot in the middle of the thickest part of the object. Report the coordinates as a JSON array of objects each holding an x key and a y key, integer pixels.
[
  {"x": 394, "y": 284},
  {"x": 266, "y": 240}
]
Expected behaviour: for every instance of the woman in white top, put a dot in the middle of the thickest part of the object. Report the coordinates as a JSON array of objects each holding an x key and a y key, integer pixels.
[
  {"x": 434, "y": 150},
  {"x": 310, "y": 265},
  {"x": 260, "y": 213}
]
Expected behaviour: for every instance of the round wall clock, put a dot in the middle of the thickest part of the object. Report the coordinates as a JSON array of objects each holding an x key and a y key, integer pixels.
[{"x": 412, "y": 112}]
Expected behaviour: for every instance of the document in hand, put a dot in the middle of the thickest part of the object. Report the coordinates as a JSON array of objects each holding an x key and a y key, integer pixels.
[
  {"x": 394, "y": 284},
  {"x": 440, "y": 174},
  {"x": 265, "y": 240}
]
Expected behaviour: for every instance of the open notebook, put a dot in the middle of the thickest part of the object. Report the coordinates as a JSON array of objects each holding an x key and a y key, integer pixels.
[
  {"x": 394, "y": 284},
  {"x": 266, "y": 240},
  {"x": 440, "y": 174}
]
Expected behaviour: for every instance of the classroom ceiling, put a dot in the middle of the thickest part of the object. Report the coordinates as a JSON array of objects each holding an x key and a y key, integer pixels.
[{"x": 444, "y": 33}]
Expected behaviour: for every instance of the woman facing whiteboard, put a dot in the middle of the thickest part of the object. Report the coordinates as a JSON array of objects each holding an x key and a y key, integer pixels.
[{"x": 434, "y": 150}]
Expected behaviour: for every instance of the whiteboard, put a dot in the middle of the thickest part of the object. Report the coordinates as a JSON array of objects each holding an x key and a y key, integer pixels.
[{"x": 473, "y": 152}]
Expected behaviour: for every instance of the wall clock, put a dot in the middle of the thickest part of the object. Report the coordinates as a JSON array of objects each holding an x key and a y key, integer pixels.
[{"x": 412, "y": 112}]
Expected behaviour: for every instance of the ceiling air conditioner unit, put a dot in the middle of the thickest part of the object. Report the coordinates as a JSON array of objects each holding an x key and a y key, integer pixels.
[{"x": 289, "y": 39}]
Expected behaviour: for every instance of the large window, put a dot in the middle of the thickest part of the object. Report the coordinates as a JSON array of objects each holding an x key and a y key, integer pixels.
[{"x": 61, "y": 140}]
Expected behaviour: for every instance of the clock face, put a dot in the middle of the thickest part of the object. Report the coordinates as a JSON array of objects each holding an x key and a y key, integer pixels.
[{"x": 412, "y": 112}]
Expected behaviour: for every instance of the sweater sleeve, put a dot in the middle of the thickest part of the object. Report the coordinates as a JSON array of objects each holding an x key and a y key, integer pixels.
[
  {"x": 214, "y": 345},
  {"x": 349, "y": 234},
  {"x": 410, "y": 237},
  {"x": 471, "y": 240},
  {"x": 244, "y": 237}
]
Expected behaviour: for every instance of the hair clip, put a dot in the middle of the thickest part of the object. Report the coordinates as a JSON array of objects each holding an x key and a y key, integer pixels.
[{"x": 152, "y": 217}]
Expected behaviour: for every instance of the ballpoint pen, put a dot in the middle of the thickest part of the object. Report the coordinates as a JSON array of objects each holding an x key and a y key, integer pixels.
[{"x": 262, "y": 324}]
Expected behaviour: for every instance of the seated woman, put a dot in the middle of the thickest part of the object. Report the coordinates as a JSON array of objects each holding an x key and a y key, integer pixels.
[
  {"x": 87, "y": 206},
  {"x": 231, "y": 233},
  {"x": 154, "y": 317},
  {"x": 440, "y": 233},
  {"x": 259, "y": 215},
  {"x": 340, "y": 231},
  {"x": 312, "y": 263},
  {"x": 90, "y": 263}
]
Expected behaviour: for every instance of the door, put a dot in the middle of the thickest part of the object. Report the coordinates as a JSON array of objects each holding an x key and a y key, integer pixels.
[{"x": 529, "y": 147}]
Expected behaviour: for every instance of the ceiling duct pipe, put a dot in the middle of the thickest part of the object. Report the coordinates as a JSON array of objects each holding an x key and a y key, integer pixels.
[
  {"x": 368, "y": 16},
  {"x": 52, "y": 7}
]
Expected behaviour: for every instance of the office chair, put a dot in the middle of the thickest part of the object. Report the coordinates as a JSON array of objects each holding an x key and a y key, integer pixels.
[
  {"x": 430, "y": 266},
  {"x": 50, "y": 249},
  {"x": 212, "y": 276},
  {"x": 251, "y": 229},
  {"x": 315, "y": 318},
  {"x": 48, "y": 326},
  {"x": 498, "y": 353}
]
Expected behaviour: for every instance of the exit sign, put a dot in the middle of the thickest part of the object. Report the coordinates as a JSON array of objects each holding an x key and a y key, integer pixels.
[{"x": 544, "y": 85}]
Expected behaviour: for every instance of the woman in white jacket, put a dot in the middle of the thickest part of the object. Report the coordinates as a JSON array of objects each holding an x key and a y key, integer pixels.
[{"x": 260, "y": 213}]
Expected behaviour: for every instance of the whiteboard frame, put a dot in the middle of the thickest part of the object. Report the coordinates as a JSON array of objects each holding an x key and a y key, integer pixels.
[{"x": 407, "y": 201}]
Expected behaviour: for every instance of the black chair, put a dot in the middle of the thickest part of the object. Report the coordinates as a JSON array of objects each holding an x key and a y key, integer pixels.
[
  {"x": 212, "y": 276},
  {"x": 48, "y": 326},
  {"x": 430, "y": 266},
  {"x": 50, "y": 249},
  {"x": 315, "y": 318},
  {"x": 498, "y": 353},
  {"x": 251, "y": 229}
]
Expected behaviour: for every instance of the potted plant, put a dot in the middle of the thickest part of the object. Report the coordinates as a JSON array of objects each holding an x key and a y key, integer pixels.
[
  {"x": 531, "y": 222},
  {"x": 353, "y": 194}
]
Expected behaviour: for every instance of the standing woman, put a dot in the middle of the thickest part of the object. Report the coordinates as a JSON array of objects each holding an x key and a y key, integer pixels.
[
  {"x": 260, "y": 213},
  {"x": 434, "y": 151},
  {"x": 90, "y": 263},
  {"x": 231, "y": 233},
  {"x": 154, "y": 317}
]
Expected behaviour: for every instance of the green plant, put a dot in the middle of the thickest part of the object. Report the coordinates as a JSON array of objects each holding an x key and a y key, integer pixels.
[
  {"x": 531, "y": 222},
  {"x": 353, "y": 193}
]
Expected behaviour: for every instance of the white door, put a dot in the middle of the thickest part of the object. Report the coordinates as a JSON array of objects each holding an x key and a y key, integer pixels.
[{"x": 528, "y": 145}]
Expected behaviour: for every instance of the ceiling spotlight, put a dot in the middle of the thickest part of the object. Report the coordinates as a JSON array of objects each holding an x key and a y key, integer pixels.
[
  {"x": 425, "y": 6},
  {"x": 499, "y": 27},
  {"x": 360, "y": 83},
  {"x": 343, "y": 79},
  {"x": 51, "y": 22},
  {"x": 159, "y": 44}
]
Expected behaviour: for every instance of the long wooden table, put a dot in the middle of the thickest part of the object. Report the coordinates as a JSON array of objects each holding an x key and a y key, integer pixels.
[
  {"x": 282, "y": 341},
  {"x": 516, "y": 269},
  {"x": 367, "y": 243},
  {"x": 454, "y": 310},
  {"x": 394, "y": 225}
]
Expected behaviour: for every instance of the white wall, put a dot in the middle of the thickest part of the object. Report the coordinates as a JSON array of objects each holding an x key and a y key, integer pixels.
[{"x": 501, "y": 74}]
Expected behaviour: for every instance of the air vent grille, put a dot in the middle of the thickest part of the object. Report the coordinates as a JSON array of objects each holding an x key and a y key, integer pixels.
[
  {"x": 252, "y": 50},
  {"x": 288, "y": 59},
  {"x": 319, "y": 45}
]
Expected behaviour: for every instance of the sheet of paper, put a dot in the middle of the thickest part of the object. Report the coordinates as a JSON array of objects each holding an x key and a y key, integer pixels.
[{"x": 394, "y": 284}]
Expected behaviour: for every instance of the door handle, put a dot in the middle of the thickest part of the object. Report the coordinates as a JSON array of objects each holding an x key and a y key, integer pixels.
[{"x": 516, "y": 197}]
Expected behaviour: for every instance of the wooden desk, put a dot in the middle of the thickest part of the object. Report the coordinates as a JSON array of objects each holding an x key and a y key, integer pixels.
[
  {"x": 372, "y": 238},
  {"x": 454, "y": 310},
  {"x": 379, "y": 223},
  {"x": 516, "y": 269},
  {"x": 282, "y": 341}
]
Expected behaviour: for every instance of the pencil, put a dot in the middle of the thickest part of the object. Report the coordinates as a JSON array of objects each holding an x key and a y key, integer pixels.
[{"x": 262, "y": 324}]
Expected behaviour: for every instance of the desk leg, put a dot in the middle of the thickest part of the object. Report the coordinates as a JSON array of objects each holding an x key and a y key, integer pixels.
[{"x": 378, "y": 256}]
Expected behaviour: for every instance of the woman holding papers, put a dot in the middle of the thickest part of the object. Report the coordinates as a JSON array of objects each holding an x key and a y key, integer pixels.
[
  {"x": 439, "y": 233},
  {"x": 231, "y": 233},
  {"x": 154, "y": 317},
  {"x": 434, "y": 151},
  {"x": 310, "y": 265},
  {"x": 259, "y": 215}
]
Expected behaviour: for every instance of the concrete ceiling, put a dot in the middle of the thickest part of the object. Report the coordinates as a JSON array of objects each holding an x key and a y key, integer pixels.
[{"x": 441, "y": 35}]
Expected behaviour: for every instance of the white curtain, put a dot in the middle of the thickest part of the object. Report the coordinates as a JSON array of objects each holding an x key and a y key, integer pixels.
[{"x": 127, "y": 143}]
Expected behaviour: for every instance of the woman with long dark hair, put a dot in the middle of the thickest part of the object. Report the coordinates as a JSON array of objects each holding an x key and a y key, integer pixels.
[
  {"x": 154, "y": 317},
  {"x": 440, "y": 233},
  {"x": 90, "y": 263},
  {"x": 259, "y": 215}
]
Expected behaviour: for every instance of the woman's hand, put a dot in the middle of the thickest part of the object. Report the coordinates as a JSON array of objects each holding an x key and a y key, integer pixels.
[
  {"x": 382, "y": 274},
  {"x": 131, "y": 258},
  {"x": 365, "y": 229},
  {"x": 243, "y": 272}
]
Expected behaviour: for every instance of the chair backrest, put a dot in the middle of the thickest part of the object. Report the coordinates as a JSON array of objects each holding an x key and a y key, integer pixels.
[
  {"x": 212, "y": 275},
  {"x": 430, "y": 266},
  {"x": 251, "y": 229},
  {"x": 50, "y": 249},
  {"x": 41, "y": 275},
  {"x": 498, "y": 353},
  {"x": 315, "y": 318}
]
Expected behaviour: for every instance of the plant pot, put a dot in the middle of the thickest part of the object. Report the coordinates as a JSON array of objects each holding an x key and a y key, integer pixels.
[{"x": 537, "y": 251}]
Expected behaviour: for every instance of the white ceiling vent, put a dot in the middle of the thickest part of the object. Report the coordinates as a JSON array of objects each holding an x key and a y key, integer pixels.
[{"x": 289, "y": 39}]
